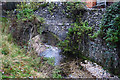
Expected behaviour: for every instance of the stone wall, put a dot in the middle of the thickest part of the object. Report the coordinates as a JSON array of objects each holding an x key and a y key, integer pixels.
[
  {"x": 98, "y": 51},
  {"x": 55, "y": 21}
]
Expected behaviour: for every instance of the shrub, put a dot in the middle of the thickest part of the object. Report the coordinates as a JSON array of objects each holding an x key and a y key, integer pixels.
[
  {"x": 110, "y": 33},
  {"x": 75, "y": 10},
  {"x": 24, "y": 12},
  {"x": 24, "y": 23},
  {"x": 76, "y": 39}
]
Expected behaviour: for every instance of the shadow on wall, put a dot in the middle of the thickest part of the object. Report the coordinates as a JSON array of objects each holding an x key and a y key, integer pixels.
[{"x": 50, "y": 38}]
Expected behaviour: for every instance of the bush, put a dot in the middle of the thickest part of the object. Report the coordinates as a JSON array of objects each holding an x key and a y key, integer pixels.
[
  {"x": 76, "y": 39},
  {"x": 75, "y": 10},
  {"x": 24, "y": 23},
  {"x": 110, "y": 27},
  {"x": 24, "y": 12}
]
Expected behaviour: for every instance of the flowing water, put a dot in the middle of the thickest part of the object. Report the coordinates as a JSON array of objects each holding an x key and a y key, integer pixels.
[
  {"x": 52, "y": 52},
  {"x": 48, "y": 48}
]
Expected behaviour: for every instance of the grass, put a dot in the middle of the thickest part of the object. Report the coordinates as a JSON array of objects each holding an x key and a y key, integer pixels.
[{"x": 15, "y": 63}]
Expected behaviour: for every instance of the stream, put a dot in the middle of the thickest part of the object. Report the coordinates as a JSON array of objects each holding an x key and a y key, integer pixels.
[{"x": 52, "y": 52}]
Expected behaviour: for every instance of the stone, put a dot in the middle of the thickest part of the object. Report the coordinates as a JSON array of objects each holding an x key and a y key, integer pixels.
[
  {"x": 60, "y": 24},
  {"x": 52, "y": 52},
  {"x": 46, "y": 50},
  {"x": 58, "y": 20},
  {"x": 96, "y": 71},
  {"x": 86, "y": 61},
  {"x": 67, "y": 24},
  {"x": 37, "y": 45},
  {"x": 93, "y": 16}
]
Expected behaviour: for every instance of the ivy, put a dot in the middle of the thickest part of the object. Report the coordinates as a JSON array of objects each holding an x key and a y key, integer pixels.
[
  {"x": 110, "y": 33},
  {"x": 110, "y": 26}
]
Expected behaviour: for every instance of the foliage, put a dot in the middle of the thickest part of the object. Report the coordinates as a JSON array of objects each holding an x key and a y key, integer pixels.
[
  {"x": 23, "y": 22},
  {"x": 51, "y": 7},
  {"x": 50, "y": 61},
  {"x": 76, "y": 10},
  {"x": 43, "y": 4},
  {"x": 24, "y": 12},
  {"x": 16, "y": 62},
  {"x": 76, "y": 38},
  {"x": 110, "y": 32},
  {"x": 110, "y": 27},
  {"x": 5, "y": 24},
  {"x": 36, "y": 5},
  {"x": 40, "y": 21},
  {"x": 56, "y": 73}
]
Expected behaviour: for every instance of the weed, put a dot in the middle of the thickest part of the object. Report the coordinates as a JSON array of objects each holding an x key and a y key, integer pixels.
[{"x": 56, "y": 73}]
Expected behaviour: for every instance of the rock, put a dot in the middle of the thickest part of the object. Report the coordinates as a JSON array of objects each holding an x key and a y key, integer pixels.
[
  {"x": 96, "y": 70},
  {"x": 60, "y": 24},
  {"x": 52, "y": 52},
  {"x": 37, "y": 45},
  {"x": 9, "y": 5},
  {"x": 62, "y": 35},
  {"x": 86, "y": 61},
  {"x": 46, "y": 50}
]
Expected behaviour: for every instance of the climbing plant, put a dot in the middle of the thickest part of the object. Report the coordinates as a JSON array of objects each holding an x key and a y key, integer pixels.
[
  {"x": 110, "y": 33},
  {"x": 110, "y": 26},
  {"x": 76, "y": 39}
]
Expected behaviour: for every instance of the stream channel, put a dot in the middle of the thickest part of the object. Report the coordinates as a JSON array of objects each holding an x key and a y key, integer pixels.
[{"x": 71, "y": 67}]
